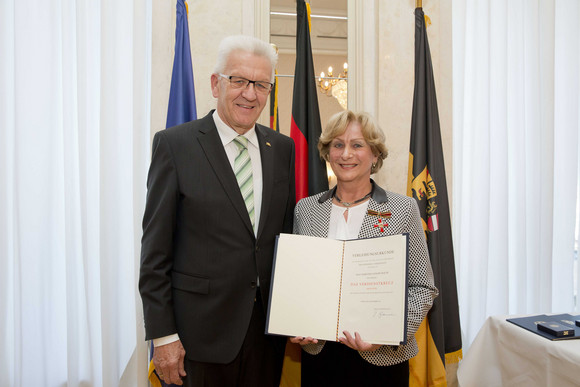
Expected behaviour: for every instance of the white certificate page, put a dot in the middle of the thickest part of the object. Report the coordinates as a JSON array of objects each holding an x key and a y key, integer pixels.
[
  {"x": 374, "y": 289},
  {"x": 305, "y": 287},
  {"x": 321, "y": 287}
]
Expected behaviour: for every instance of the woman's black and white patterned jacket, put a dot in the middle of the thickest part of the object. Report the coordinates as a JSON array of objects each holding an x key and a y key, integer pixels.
[{"x": 312, "y": 217}]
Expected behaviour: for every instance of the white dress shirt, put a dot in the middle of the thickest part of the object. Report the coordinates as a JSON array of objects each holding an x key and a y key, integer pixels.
[
  {"x": 227, "y": 136},
  {"x": 346, "y": 229}
]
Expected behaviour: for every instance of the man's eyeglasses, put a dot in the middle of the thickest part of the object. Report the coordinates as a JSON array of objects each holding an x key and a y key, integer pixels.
[{"x": 241, "y": 83}]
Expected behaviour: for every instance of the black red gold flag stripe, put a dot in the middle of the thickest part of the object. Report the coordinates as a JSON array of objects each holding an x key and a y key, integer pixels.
[
  {"x": 305, "y": 130},
  {"x": 439, "y": 337},
  {"x": 305, "y": 127}
]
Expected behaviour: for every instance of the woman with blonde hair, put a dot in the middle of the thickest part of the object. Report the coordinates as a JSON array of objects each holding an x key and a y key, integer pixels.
[{"x": 358, "y": 208}]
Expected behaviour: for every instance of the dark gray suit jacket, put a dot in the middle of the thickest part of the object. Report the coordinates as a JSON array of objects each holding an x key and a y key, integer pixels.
[{"x": 199, "y": 256}]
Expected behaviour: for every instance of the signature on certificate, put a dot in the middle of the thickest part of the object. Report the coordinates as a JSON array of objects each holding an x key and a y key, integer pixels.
[{"x": 380, "y": 314}]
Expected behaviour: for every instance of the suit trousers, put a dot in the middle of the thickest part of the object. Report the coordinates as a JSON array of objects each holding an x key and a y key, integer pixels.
[{"x": 258, "y": 364}]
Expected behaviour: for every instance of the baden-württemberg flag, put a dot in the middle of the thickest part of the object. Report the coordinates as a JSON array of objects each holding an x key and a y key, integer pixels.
[
  {"x": 439, "y": 337},
  {"x": 305, "y": 129}
]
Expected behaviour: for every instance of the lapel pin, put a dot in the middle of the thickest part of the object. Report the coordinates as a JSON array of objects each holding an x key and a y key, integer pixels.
[{"x": 268, "y": 144}]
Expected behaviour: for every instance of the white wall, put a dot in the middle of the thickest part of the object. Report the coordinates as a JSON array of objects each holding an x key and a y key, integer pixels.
[{"x": 396, "y": 39}]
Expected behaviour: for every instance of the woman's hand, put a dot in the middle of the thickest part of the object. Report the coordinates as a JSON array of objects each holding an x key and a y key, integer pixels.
[
  {"x": 357, "y": 342},
  {"x": 303, "y": 340}
]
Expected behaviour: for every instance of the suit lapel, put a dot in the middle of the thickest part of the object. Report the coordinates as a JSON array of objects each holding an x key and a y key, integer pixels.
[
  {"x": 320, "y": 219},
  {"x": 215, "y": 153},
  {"x": 266, "y": 154},
  {"x": 320, "y": 215}
]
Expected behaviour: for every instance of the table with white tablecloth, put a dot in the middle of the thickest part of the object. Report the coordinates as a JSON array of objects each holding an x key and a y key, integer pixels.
[{"x": 504, "y": 354}]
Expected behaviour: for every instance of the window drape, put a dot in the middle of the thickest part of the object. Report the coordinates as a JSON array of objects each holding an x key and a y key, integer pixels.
[
  {"x": 74, "y": 150},
  {"x": 516, "y": 153}
]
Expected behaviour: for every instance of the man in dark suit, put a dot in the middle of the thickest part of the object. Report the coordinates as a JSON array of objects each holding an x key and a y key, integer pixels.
[{"x": 208, "y": 246}]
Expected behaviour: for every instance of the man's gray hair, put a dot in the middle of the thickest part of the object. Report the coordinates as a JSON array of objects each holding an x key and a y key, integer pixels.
[{"x": 244, "y": 43}]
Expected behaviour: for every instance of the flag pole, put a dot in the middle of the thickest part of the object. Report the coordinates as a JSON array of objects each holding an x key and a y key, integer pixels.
[{"x": 418, "y": 3}]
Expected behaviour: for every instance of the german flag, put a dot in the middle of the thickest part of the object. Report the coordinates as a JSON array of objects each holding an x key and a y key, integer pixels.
[
  {"x": 305, "y": 128},
  {"x": 439, "y": 336}
]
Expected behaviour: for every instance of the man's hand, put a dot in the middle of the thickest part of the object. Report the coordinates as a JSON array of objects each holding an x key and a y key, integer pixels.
[
  {"x": 357, "y": 342},
  {"x": 168, "y": 362}
]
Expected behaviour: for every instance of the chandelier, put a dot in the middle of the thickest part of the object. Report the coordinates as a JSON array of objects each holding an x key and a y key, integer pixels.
[{"x": 335, "y": 86}]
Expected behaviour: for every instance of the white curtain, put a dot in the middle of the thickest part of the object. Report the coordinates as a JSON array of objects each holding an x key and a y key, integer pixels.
[
  {"x": 74, "y": 150},
  {"x": 516, "y": 153}
]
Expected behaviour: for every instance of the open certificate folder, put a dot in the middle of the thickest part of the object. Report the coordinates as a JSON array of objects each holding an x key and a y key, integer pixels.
[{"x": 322, "y": 287}]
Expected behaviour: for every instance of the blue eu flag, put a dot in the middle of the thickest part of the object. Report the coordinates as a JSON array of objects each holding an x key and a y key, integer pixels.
[{"x": 181, "y": 107}]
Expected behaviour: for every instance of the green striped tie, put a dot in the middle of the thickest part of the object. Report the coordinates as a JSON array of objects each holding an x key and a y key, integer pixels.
[{"x": 243, "y": 171}]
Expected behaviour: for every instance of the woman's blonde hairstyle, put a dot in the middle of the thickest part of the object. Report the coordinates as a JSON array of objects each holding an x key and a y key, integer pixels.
[{"x": 371, "y": 131}]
